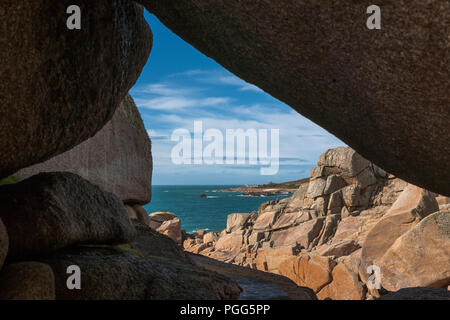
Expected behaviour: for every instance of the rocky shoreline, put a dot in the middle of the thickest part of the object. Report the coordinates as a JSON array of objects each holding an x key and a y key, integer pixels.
[{"x": 349, "y": 216}]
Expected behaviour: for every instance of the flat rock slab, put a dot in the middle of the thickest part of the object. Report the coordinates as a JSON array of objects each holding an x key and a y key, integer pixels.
[{"x": 51, "y": 211}]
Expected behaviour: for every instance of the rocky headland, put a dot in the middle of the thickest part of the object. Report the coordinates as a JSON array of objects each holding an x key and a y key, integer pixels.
[{"x": 270, "y": 189}]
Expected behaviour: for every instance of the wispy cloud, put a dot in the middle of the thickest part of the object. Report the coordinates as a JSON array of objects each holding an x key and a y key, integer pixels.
[
  {"x": 222, "y": 101},
  {"x": 234, "y": 81},
  {"x": 169, "y": 97}
]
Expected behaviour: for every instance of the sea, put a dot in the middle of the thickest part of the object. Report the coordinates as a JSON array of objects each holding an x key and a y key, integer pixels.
[{"x": 197, "y": 213}]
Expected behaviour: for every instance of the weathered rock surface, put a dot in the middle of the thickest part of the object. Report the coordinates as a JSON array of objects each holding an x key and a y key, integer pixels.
[
  {"x": 158, "y": 218},
  {"x": 339, "y": 249},
  {"x": 443, "y": 202},
  {"x": 51, "y": 211},
  {"x": 4, "y": 243},
  {"x": 421, "y": 257},
  {"x": 315, "y": 238},
  {"x": 345, "y": 69},
  {"x": 231, "y": 241},
  {"x": 345, "y": 285},
  {"x": 210, "y": 237},
  {"x": 118, "y": 158},
  {"x": 413, "y": 205},
  {"x": 151, "y": 243},
  {"x": 152, "y": 267},
  {"x": 138, "y": 213},
  {"x": 303, "y": 234},
  {"x": 27, "y": 281},
  {"x": 172, "y": 229},
  {"x": 166, "y": 223},
  {"x": 312, "y": 271},
  {"x": 420, "y": 293},
  {"x": 58, "y": 87},
  {"x": 236, "y": 221}
]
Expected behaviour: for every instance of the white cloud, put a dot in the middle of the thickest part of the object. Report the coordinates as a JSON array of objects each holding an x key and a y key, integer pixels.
[
  {"x": 166, "y": 97},
  {"x": 178, "y": 103},
  {"x": 237, "y": 82},
  {"x": 190, "y": 97}
]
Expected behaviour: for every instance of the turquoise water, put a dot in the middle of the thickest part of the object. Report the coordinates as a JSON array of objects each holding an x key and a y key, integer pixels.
[{"x": 203, "y": 213}]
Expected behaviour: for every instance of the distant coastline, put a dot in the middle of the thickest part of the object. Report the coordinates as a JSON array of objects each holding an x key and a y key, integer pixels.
[{"x": 269, "y": 189}]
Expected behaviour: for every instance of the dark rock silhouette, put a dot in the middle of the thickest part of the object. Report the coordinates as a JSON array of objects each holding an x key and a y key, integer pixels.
[{"x": 58, "y": 87}]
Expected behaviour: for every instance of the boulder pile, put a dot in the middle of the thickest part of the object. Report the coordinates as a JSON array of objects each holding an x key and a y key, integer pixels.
[
  {"x": 83, "y": 209},
  {"x": 350, "y": 216}
]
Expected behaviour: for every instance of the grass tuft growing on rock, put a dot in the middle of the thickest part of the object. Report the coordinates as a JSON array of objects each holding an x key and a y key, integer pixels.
[{"x": 8, "y": 180}]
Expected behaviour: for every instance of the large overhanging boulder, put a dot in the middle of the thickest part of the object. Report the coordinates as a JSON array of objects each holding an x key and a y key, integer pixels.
[
  {"x": 383, "y": 92},
  {"x": 58, "y": 87}
]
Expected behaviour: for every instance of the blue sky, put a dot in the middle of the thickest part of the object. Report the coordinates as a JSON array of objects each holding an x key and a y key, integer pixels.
[{"x": 179, "y": 85}]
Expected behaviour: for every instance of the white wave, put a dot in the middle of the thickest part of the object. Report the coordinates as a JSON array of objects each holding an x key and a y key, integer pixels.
[{"x": 195, "y": 231}]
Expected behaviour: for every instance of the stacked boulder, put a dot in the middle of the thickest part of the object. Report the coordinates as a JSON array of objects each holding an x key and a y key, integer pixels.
[
  {"x": 82, "y": 209},
  {"x": 76, "y": 161},
  {"x": 349, "y": 216},
  {"x": 48, "y": 213}
]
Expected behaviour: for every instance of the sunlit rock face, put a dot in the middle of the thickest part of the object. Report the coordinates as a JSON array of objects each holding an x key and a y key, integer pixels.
[
  {"x": 383, "y": 92},
  {"x": 349, "y": 215},
  {"x": 58, "y": 87}
]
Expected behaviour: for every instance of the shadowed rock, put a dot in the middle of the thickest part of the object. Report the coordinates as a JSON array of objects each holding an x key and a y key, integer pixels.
[
  {"x": 420, "y": 293},
  {"x": 51, "y": 211},
  {"x": 118, "y": 158},
  {"x": 58, "y": 87},
  {"x": 27, "y": 281},
  {"x": 383, "y": 92},
  {"x": 152, "y": 267},
  {"x": 4, "y": 243}
]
